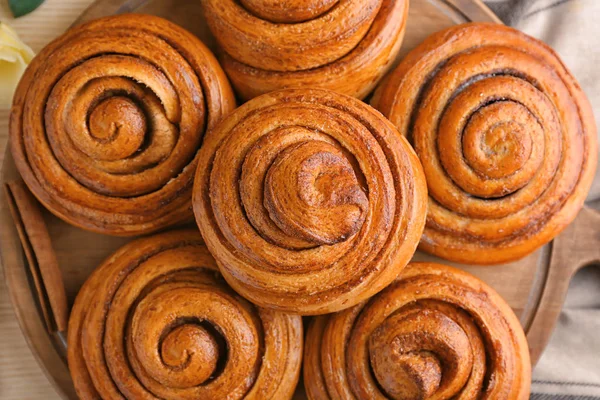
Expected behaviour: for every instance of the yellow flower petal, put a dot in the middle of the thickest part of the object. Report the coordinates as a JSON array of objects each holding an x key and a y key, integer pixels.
[
  {"x": 14, "y": 58},
  {"x": 8, "y": 54}
]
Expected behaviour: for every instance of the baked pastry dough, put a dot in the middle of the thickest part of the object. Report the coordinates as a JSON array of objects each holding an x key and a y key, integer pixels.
[
  {"x": 309, "y": 200},
  {"x": 340, "y": 45},
  {"x": 108, "y": 118},
  {"x": 156, "y": 320},
  {"x": 434, "y": 333},
  {"x": 506, "y": 137}
]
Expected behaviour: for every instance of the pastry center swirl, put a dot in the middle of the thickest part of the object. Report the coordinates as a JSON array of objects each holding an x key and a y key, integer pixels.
[
  {"x": 311, "y": 192},
  {"x": 497, "y": 140},
  {"x": 493, "y": 149},
  {"x": 419, "y": 353},
  {"x": 116, "y": 119},
  {"x": 190, "y": 345}
]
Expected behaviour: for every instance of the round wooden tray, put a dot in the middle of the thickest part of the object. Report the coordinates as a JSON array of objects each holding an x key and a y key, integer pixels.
[{"x": 535, "y": 287}]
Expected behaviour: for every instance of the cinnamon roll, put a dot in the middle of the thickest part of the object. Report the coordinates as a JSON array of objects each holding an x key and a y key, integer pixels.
[
  {"x": 156, "y": 320},
  {"x": 434, "y": 333},
  {"x": 340, "y": 45},
  {"x": 506, "y": 136},
  {"x": 107, "y": 121},
  {"x": 309, "y": 200}
]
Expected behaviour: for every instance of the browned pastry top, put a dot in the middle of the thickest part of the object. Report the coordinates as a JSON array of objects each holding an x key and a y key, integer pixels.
[
  {"x": 309, "y": 200},
  {"x": 157, "y": 321},
  {"x": 341, "y": 45},
  {"x": 506, "y": 137},
  {"x": 107, "y": 120},
  {"x": 434, "y": 333}
]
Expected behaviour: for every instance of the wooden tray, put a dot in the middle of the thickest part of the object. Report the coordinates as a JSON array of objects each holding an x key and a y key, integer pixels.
[{"x": 535, "y": 287}]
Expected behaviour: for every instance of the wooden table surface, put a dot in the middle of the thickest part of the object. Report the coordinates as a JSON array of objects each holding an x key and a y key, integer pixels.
[{"x": 20, "y": 376}]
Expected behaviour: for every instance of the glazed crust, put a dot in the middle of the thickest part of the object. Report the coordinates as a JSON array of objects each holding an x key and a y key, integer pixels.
[
  {"x": 156, "y": 320},
  {"x": 341, "y": 45},
  {"x": 434, "y": 333},
  {"x": 309, "y": 200},
  {"x": 506, "y": 137},
  {"x": 107, "y": 120}
]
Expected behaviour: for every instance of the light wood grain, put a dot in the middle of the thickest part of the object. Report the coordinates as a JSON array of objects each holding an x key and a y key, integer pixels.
[{"x": 20, "y": 375}]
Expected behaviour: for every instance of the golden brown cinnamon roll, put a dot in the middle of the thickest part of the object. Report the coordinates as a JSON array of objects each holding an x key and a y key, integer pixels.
[
  {"x": 309, "y": 200},
  {"x": 340, "y": 45},
  {"x": 434, "y": 333},
  {"x": 506, "y": 137},
  {"x": 156, "y": 320},
  {"x": 107, "y": 121}
]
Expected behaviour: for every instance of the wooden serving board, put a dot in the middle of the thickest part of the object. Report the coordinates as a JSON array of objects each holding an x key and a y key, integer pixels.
[{"x": 535, "y": 287}]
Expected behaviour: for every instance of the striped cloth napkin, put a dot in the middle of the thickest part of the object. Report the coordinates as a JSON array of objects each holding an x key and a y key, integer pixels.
[{"x": 570, "y": 367}]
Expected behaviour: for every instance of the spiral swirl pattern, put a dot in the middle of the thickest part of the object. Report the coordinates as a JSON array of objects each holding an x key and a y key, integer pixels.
[
  {"x": 309, "y": 200},
  {"x": 107, "y": 121},
  {"x": 434, "y": 333},
  {"x": 340, "y": 45},
  {"x": 506, "y": 137},
  {"x": 156, "y": 320}
]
